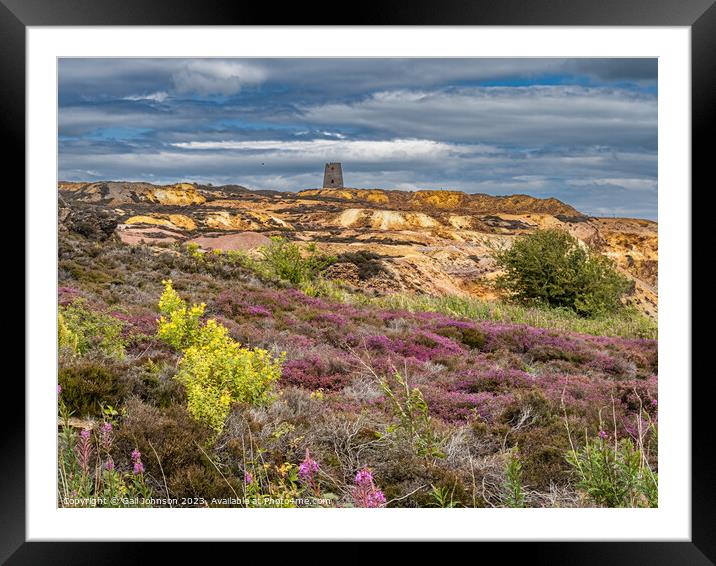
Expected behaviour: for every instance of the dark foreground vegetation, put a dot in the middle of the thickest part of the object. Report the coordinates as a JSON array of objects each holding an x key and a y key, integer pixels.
[{"x": 191, "y": 379}]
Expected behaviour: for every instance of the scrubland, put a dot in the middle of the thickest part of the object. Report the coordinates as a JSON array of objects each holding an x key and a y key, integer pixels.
[{"x": 214, "y": 379}]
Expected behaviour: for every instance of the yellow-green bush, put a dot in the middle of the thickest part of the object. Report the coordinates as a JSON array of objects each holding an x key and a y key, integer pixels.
[
  {"x": 66, "y": 339},
  {"x": 80, "y": 329},
  {"x": 179, "y": 325},
  {"x": 215, "y": 369}
]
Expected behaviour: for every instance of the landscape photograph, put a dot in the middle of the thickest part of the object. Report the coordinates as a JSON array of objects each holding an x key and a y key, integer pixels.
[{"x": 357, "y": 282}]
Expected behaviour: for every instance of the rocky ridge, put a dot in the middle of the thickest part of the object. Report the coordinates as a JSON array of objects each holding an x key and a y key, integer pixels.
[{"x": 436, "y": 242}]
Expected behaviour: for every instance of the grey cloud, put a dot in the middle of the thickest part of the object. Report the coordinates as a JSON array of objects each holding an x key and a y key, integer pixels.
[
  {"x": 535, "y": 116},
  {"x": 582, "y": 130},
  {"x": 327, "y": 76}
]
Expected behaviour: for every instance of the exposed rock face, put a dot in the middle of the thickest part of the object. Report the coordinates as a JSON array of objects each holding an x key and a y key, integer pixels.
[
  {"x": 384, "y": 219},
  {"x": 439, "y": 199},
  {"x": 114, "y": 193},
  {"x": 447, "y": 200},
  {"x": 437, "y": 242},
  {"x": 369, "y": 195},
  {"x": 223, "y": 220},
  {"x": 171, "y": 220}
]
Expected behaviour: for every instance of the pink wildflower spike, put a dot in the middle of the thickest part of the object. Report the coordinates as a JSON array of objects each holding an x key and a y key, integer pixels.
[
  {"x": 365, "y": 494},
  {"x": 83, "y": 450},
  {"x": 138, "y": 468},
  {"x": 307, "y": 468},
  {"x": 364, "y": 477}
]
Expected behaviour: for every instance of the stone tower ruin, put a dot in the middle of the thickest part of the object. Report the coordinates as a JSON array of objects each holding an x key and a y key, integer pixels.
[{"x": 333, "y": 176}]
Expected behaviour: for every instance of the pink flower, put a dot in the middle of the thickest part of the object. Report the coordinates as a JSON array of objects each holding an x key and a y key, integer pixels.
[
  {"x": 375, "y": 498},
  {"x": 137, "y": 461},
  {"x": 365, "y": 494},
  {"x": 364, "y": 478},
  {"x": 307, "y": 469}
]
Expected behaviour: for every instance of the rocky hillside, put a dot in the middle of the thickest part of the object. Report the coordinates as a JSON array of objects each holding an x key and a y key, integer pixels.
[{"x": 435, "y": 242}]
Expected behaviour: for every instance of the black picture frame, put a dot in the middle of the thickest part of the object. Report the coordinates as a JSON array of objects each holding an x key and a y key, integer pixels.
[{"x": 699, "y": 15}]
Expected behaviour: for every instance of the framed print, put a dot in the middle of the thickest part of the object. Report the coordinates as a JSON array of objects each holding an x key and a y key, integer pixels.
[{"x": 413, "y": 278}]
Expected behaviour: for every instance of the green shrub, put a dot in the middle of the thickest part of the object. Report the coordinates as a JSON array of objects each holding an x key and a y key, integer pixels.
[
  {"x": 87, "y": 386},
  {"x": 513, "y": 495},
  {"x": 615, "y": 474},
  {"x": 195, "y": 251},
  {"x": 154, "y": 383},
  {"x": 473, "y": 338},
  {"x": 66, "y": 339},
  {"x": 215, "y": 370},
  {"x": 542, "y": 451},
  {"x": 284, "y": 260},
  {"x": 413, "y": 420},
  {"x": 550, "y": 267},
  {"x": 443, "y": 496},
  {"x": 179, "y": 325},
  {"x": 80, "y": 330}
]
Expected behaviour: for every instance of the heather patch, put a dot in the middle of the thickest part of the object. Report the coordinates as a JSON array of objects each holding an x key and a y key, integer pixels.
[
  {"x": 314, "y": 372},
  {"x": 478, "y": 416}
]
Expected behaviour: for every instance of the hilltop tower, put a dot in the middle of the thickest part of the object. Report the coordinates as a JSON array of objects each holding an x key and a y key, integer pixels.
[{"x": 333, "y": 176}]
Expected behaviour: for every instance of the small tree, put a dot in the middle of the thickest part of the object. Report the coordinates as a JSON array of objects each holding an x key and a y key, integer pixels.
[
  {"x": 550, "y": 267},
  {"x": 285, "y": 260}
]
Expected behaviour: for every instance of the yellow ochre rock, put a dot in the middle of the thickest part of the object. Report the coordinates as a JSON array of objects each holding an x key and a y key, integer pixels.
[
  {"x": 439, "y": 199},
  {"x": 181, "y": 194},
  {"x": 225, "y": 221},
  {"x": 169, "y": 220},
  {"x": 370, "y": 195}
]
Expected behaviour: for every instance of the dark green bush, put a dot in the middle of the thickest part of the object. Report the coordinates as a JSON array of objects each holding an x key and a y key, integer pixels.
[
  {"x": 283, "y": 259},
  {"x": 549, "y": 267},
  {"x": 87, "y": 386},
  {"x": 532, "y": 402},
  {"x": 542, "y": 450},
  {"x": 171, "y": 432},
  {"x": 154, "y": 382},
  {"x": 473, "y": 338},
  {"x": 203, "y": 483}
]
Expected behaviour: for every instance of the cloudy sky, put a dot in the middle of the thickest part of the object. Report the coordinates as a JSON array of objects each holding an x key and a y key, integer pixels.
[{"x": 581, "y": 130}]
